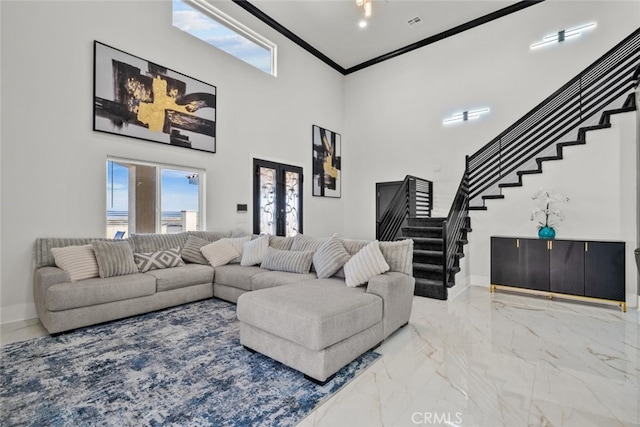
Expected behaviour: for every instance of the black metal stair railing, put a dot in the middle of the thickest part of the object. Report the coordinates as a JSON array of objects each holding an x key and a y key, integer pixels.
[
  {"x": 414, "y": 198},
  {"x": 453, "y": 229},
  {"x": 605, "y": 81}
]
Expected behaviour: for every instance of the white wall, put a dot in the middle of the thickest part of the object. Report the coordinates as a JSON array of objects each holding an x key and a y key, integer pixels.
[
  {"x": 394, "y": 110},
  {"x": 598, "y": 178},
  {"x": 53, "y": 164}
]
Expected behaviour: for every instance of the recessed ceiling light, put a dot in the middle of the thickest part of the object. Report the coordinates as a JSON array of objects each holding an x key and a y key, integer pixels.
[{"x": 362, "y": 24}]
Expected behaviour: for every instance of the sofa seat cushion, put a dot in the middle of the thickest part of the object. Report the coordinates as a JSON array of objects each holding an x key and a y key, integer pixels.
[
  {"x": 236, "y": 275},
  {"x": 271, "y": 279},
  {"x": 181, "y": 277},
  {"x": 314, "y": 317},
  {"x": 84, "y": 293}
]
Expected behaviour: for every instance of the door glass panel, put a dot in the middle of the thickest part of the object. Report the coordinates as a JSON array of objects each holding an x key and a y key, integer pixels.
[
  {"x": 292, "y": 208},
  {"x": 267, "y": 200}
]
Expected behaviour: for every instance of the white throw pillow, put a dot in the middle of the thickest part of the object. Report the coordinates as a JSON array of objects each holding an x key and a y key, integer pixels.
[
  {"x": 254, "y": 250},
  {"x": 399, "y": 255},
  {"x": 219, "y": 253},
  {"x": 368, "y": 262},
  {"x": 237, "y": 243},
  {"x": 79, "y": 261}
]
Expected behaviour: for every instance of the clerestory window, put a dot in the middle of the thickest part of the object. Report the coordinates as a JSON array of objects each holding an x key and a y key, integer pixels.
[{"x": 201, "y": 20}]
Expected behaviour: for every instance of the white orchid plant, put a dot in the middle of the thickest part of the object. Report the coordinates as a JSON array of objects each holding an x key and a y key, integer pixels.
[{"x": 546, "y": 216}]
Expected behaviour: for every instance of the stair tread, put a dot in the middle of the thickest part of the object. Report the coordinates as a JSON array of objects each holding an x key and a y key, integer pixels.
[
  {"x": 510, "y": 184},
  {"x": 529, "y": 172},
  {"x": 428, "y": 282},
  {"x": 427, "y": 239},
  {"x": 427, "y": 252},
  {"x": 570, "y": 143},
  {"x": 493, "y": 196},
  {"x": 548, "y": 158},
  {"x": 421, "y": 227},
  {"x": 595, "y": 127},
  {"x": 477, "y": 208},
  {"x": 427, "y": 267}
]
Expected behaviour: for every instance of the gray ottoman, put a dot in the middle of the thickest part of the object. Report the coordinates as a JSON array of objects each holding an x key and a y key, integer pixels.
[{"x": 314, "y": 329}]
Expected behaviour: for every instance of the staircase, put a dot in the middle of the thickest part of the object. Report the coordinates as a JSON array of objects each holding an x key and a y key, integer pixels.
[
  {"x": 561, "y": 120},
  {"x": 429, "y": 258}
]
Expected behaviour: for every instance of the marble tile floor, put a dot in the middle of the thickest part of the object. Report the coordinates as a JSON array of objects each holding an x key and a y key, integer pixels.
[{"x": 485, "y": 359}]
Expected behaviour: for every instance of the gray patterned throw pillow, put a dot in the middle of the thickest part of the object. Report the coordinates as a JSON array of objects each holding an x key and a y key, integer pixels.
[{"x": 158, "y": 260}]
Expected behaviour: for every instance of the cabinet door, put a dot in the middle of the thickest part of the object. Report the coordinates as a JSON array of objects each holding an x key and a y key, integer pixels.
[
  {"x": 505, "y": 268},
  {"x": 604, "y": 270},
  {"x": 534, "y": 264},
  {"x": 567, "y": 267}
]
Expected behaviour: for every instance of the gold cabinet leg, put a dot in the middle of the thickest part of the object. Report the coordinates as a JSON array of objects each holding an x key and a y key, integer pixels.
[{"x": 623, "y": 305}]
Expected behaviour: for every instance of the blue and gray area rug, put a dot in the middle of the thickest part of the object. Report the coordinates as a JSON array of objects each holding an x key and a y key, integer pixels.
[{"x": 183, "y": 366}]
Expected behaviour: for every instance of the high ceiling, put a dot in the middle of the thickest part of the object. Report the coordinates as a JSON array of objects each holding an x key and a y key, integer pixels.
[{"x": 331, "y": 26}]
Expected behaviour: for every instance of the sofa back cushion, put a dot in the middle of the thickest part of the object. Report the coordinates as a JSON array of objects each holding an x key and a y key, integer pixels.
[
  {"x": 148, "y": 243},
  {"x": 302, "y": 242},
  {"x": 210, "y": 236},
  {"x": 281, "y": 242}
]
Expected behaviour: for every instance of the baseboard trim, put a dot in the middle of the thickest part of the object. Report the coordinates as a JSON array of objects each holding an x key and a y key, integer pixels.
[
  {"x": 458, "y": 289},
  {"x": 18, "y": 312}
]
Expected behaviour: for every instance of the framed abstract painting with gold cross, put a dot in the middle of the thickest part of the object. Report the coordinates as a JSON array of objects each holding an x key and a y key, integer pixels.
[
  {"x": 139, "y": 99},
  {"x": 327, "y": 175}
]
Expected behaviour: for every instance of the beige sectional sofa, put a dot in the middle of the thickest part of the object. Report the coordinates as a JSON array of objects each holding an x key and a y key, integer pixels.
[{"x": 299, "y": 303}]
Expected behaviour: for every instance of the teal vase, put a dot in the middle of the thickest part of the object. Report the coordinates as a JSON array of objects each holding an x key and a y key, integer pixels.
[{"x": 547, "y": 233}]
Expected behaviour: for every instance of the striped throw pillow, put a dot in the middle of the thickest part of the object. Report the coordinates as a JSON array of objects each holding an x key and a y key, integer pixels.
[
  {"x": 288, "y": 261},
  {"x": 329, "y": 258},
  {"x": 368, "y": 262},
  {"x": 191, "y": 250},
  {"x": 114, "y": 258},
  {"x": 254, "y": 250},
  {"x": 399, "y": 255},
  {"x": 237, "y": 243},
  {"x": 220, "y": 252},
  {"x": 79, "y": 261},
  {"x": 158, "y": 260}
]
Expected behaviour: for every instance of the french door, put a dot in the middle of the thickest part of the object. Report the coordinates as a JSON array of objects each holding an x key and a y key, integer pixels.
[{"x": 277, "y": 198}]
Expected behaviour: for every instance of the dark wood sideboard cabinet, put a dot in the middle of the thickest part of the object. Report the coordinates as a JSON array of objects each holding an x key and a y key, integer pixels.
[{"x": 579, "y": 269}]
